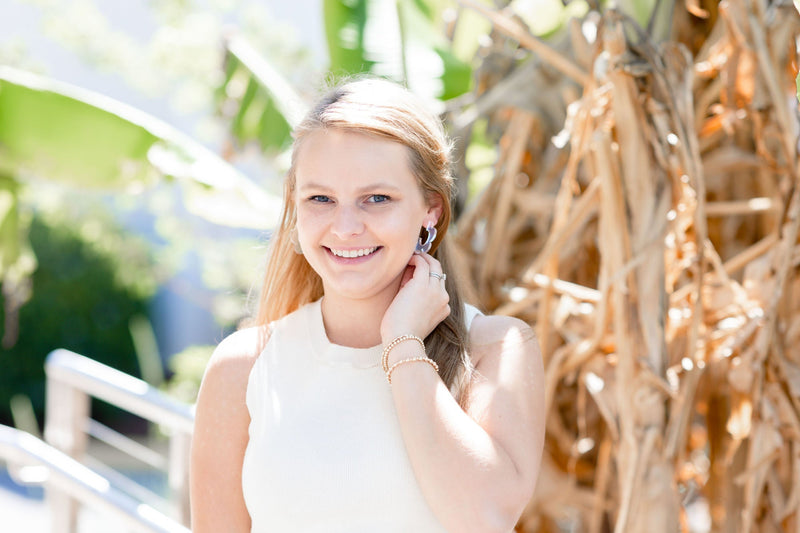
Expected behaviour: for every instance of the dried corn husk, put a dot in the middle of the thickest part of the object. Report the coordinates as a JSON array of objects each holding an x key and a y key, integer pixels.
[{"x": 643, "y": 218}]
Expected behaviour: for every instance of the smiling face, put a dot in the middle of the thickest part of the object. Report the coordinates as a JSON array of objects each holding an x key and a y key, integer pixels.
[{"x": 359, "y": 211}]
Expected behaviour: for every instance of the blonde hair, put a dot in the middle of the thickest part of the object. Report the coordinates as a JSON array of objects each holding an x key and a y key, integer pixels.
[{"x": 381, "y": 108}]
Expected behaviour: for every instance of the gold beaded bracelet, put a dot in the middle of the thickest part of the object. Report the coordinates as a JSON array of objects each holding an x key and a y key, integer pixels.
[
  {"x": 411, "y": 360},
  {"x": 395, "y": 342}
]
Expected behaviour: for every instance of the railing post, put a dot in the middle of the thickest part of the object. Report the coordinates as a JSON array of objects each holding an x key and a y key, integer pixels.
[
  {"x": 66, "y": 412},
  {"x": 179, "y": 458},
  {"x": 71, "y": 380}
]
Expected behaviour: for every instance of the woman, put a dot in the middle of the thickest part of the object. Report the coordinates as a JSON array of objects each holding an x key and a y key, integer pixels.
[{"x": 368, "y": 397}]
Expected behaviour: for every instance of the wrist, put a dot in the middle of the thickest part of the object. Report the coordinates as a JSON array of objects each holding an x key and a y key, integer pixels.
[
  {"x": 409, "y": 360},
  {"x": 387, "y": 336},
  {"x": 402, "y": 350},
  {"x": 401, "y": 347}
]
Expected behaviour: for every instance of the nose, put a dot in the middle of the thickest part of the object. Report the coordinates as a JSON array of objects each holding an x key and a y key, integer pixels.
[{"x": 347, "y": 222}]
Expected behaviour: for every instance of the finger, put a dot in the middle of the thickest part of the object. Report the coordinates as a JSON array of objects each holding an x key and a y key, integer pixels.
[
  {"x": 437, "y": 275},
  {"x": 434, "y": 267},
  {"x": 421, "y": 267},
  {"x": 432, "y": 262}
]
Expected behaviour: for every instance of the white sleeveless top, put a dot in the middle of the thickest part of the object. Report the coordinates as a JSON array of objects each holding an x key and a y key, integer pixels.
[{"x": 325, "y": 452}]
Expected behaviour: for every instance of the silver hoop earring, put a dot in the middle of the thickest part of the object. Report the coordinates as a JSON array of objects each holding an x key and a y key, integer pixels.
[{"x": 424, "y": 247}]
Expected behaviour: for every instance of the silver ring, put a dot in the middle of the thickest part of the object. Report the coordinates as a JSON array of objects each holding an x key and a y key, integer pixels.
[{"x": 438, "y": 276}]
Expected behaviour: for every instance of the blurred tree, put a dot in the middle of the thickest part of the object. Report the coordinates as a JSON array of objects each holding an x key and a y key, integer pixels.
[
  {"x": 71, "y": 136},
  {"x": 91, "y": 280},
  {"x": 188, "y": 367}
]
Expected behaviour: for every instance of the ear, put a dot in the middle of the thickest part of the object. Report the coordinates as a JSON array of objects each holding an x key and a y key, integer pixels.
[{"x": 435, "y": 206}]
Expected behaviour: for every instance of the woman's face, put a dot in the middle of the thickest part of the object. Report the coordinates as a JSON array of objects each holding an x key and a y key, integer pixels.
[{"x": 359, "y": 211}]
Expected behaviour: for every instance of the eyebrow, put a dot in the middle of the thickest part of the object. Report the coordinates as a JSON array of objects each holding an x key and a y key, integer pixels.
[{"x": 366, "y": 188}]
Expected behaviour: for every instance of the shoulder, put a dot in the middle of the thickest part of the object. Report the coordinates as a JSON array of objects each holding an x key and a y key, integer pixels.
[
  {"x": 492, "y": 335},
  {"x": 220, "y": 434},
  {"x": 224, "y": 384},
  {"x": 242, "y": 347},
  {"x": 221, "y": 402}
]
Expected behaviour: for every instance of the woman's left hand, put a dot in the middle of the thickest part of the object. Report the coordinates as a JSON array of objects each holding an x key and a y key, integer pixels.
[{"x": 420, "y": 304}]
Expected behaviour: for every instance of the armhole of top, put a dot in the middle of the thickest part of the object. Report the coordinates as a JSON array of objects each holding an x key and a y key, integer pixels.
[
  {"x": 256, "y": 380},
  {"x": 459, "y": 385},
  {"x": 470, "y": 312}
]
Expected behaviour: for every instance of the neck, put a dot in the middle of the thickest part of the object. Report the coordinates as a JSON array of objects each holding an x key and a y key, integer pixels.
[{"x": 355, "y": 323}]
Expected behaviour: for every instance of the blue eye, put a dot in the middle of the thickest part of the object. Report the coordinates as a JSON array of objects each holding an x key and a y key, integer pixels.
[
  {"x": 378, "y": 199},
  {"x": 320, "y": 198}
]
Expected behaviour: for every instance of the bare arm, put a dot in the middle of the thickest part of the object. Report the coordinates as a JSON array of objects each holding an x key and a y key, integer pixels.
[
  {"x": 477, "y": 469},
  {"x": 220, "y": 437}
]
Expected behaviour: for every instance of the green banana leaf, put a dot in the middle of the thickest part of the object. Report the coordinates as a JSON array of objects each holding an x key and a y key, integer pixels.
[
  {"x": 63, "y": 133},
  {"x": 345, "y": 22},
  {"x": 400, "y": 39},
  {"x": 257, "y": 100},
  {"x": 52, "y": 133}
]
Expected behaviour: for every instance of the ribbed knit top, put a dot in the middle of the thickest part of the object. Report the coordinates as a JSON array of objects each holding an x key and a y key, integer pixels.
[{"x": 325, "y": 452}]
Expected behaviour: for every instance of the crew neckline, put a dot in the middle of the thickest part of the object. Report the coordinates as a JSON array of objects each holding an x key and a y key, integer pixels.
[{"x": 337, "y": 354}]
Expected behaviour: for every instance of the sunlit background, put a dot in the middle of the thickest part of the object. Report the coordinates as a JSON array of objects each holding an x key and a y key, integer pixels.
[{"x": 636, "y": 155}]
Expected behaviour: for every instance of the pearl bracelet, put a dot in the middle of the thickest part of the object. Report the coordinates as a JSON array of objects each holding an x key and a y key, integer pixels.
[
  {"x": 395, "y": 342},
  {"x": 411, "y": 360}
]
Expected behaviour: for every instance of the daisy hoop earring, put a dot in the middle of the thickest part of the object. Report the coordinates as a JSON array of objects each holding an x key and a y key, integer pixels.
[{"x": 424, "y": 247}]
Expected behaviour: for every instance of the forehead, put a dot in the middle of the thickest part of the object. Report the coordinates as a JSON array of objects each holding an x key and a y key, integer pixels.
[{"x": 337, "y": 157}]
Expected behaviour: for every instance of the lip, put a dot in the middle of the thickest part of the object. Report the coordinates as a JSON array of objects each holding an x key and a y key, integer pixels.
[{"x": 351, "y": 260}]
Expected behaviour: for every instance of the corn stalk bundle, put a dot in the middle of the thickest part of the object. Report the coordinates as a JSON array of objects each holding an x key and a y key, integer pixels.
[{"x": 643, "y": 217}]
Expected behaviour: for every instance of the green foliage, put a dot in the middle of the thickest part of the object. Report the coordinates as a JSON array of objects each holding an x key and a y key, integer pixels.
[
  {"x": 49, "y": 132},
  {"x": 401, "y": 40},
  {"x": 345, "y": 24},
  {"x": 458, "y": 79},
  {"x": 188, "y": 367},
  {"x": 9, "y": 223},
  {"x": 546, "y": 17},
  {"x": 83, "y": 298},
  {"x": 17, "y": 261},
  {"x": 250, "y": 108}
]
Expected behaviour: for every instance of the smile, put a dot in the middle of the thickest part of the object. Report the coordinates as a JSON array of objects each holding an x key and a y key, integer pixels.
[{"x": 359, "y": 252}]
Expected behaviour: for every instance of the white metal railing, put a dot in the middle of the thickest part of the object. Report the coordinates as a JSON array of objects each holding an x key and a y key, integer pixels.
[
  {"x": 82, "y": 484},
  {"x": 72, "y": 380}
]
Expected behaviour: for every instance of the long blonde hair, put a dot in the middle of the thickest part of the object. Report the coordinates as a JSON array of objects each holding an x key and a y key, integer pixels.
[{"x": 381, "y": 108}]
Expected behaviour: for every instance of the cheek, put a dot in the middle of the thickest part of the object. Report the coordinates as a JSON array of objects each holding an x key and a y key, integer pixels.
[
  {"x": 308, "y": 222},
  {"x": 402, "y": 229}
]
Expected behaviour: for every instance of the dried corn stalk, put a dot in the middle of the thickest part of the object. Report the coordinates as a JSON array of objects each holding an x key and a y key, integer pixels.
[{"x": 644, "y": 218}]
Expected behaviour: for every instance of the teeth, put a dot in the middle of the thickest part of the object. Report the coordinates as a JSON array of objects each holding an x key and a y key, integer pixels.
[{"x": 353, "y": 253}]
